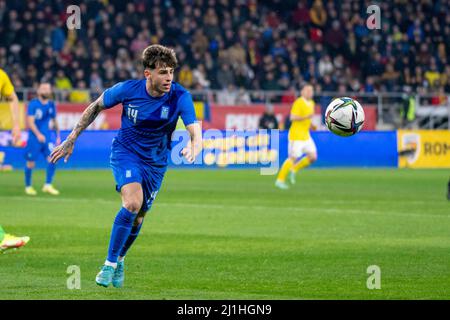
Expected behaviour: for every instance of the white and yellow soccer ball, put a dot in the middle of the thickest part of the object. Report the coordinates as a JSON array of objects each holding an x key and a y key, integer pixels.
[{"x": 344, "y": 116}]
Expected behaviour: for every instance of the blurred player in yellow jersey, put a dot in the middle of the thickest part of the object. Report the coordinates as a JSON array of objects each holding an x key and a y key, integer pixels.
[
  {"x": 7, "y": 92},
  {"x": 300, "y": 141},
  {"x": 8, "y": 241}
]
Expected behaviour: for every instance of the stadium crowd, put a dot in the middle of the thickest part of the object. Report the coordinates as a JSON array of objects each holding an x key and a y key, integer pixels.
[{"x": 231, "y": 44}]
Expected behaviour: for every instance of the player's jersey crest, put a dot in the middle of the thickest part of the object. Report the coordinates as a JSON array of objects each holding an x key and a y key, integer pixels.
[{"x": 165, "y": 112}]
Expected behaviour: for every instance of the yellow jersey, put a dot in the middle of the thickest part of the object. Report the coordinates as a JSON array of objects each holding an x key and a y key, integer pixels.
[
  {"x": 300, "y": 129},
  {"x": 6, "y": 87}
]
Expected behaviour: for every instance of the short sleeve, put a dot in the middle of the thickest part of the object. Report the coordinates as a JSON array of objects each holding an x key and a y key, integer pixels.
[
  {"x": 114, "y": 95},
  {"x": 53, "y": 115},
  {"x": 6, "y": 86},
  {"x": 187, "y": 110},
  {"x": 31, "y": 108},
  {"x": 309, "y": 110},
  {"x": 297, "y": 108}
]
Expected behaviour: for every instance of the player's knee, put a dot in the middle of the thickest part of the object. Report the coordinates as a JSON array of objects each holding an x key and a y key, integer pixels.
[
  {"x": 132, "y": 205},
  {"x": 30, "y": 164},
  {"x": 312, "y": 158}
]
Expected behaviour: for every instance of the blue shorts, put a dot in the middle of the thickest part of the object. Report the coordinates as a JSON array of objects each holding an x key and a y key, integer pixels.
[
  {"x": 35, "y": 148},
  {"x": 128, "y": 167}
]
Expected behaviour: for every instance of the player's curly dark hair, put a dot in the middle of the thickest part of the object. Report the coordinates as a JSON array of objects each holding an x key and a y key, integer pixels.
[{"x": 157, "y": 55}]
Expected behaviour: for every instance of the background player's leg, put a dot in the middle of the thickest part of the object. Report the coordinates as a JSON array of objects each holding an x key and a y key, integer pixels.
[
  {"x": 28, "y": 178},
  {"x": 51, "y": 167},
  {"x": 287, "y": 164},
  {"x": 48, "y": 187},
  {"x": 304, "y": 162},
  {"x": 28, "y": 173},
  {"x": 310, "y": 150}
]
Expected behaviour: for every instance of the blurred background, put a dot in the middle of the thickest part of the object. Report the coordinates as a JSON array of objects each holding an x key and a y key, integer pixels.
[
  {"x": 241, "y": 59},
  {"x": 230, "y": 234}
]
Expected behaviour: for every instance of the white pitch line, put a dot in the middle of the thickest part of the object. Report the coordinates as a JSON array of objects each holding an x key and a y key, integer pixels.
[
  {"x": 236, "y": 207},
  {"x": 305, "y": 201}
]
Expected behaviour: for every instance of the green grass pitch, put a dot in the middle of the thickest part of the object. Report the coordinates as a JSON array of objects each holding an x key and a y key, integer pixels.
[{"x": 229, "y": 234}]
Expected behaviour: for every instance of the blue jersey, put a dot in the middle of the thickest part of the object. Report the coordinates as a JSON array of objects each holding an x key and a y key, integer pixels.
[
  {"x": 148, "y": 122},
  {"x": 42, "y": 113}
]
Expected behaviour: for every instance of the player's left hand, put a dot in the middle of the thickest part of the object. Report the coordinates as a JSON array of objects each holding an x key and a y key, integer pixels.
[
  {"x": 62, "y": 151},
  {"x": 187, "y": 153},
  {"x": 16, "y": 135}
]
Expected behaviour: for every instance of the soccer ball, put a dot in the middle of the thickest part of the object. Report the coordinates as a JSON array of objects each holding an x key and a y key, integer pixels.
[{"x": 344, "y": 116}]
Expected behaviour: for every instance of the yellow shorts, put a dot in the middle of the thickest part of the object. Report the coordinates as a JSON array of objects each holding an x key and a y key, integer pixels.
[{"x": 299, "y": 147}]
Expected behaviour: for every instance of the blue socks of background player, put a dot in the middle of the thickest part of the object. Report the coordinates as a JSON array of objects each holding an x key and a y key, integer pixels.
[
  {"x": 50, "y": 173},
  {"x": 49, "y": 177},
  {"x": 120, "y": 232},
  {"x": 28, "y": 173},
  {"x": 133, "y": 235}
]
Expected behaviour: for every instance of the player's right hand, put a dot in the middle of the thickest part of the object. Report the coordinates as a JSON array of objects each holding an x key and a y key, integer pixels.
[
  {"x": 41, "y": 138},
  {"x": 187, "y": 153},
  {"x": 16, "y": 133},
  {"x": 64, "y": 150}
]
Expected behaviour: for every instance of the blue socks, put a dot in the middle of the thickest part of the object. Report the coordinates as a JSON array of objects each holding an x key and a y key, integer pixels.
[
  {"x": 120, "y": 232},
  {"x": 133, "y": 235},
  {"x": 51, "y": 168},
  {"x": 28, "y": 177},
  {"x": 50, "y": 173}
]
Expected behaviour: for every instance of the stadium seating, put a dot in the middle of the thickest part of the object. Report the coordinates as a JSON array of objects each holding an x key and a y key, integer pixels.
[{"x": 272, "y": 45}]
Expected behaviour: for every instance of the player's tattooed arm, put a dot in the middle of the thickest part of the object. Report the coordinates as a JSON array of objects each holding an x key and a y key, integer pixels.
[{"x": 66, "y": 148}]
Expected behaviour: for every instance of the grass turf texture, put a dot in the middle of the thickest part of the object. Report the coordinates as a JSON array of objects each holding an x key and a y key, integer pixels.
[{"x": 232, "y": 235}]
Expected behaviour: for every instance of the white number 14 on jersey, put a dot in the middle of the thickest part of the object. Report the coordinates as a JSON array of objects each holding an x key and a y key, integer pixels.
[{"x": 132, "y": 114}]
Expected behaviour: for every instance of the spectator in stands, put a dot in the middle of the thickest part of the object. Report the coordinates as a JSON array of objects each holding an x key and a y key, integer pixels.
[
  {"x": 445, "y": 79},
  {"x": 81, "y": 94},
  {"x": 439, "y": 98},
  {"x": 318, "y": 14},
  {"x": 270, "y": 82},
  {"x": 243, "y": 97},
  {"x": 228, "y": 96},
  {"x": 225, "y": 76},
  {"x": 268, "y": 120},
  {"x": 390, "y": 77},
  {"x": 325, "y": 65},
  {"x": 432, "y": 75},
  {"x": 301, "y": 15},
  {"x": 185, "y": 76},
  {"x": 289, "y": 95},
  {"x": 57, "y": 36},
  {"x": 200, "y": 78},
  {"x": 238, "y": 42},
  {"x": 408, "y": 111}
]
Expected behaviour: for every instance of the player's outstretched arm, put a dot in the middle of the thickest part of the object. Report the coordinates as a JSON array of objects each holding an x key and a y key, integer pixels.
[
  {"x": 194, "y": 146},
  {"x": 15, "y": 113},
  {"x": 32, "y": 125},
  {"x": 66, "y": 148}
]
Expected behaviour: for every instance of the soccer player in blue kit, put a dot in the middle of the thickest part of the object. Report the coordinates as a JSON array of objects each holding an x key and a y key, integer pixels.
[
  {"x": 41, "y": 111},
  {"x": 139, "y": 153}
]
